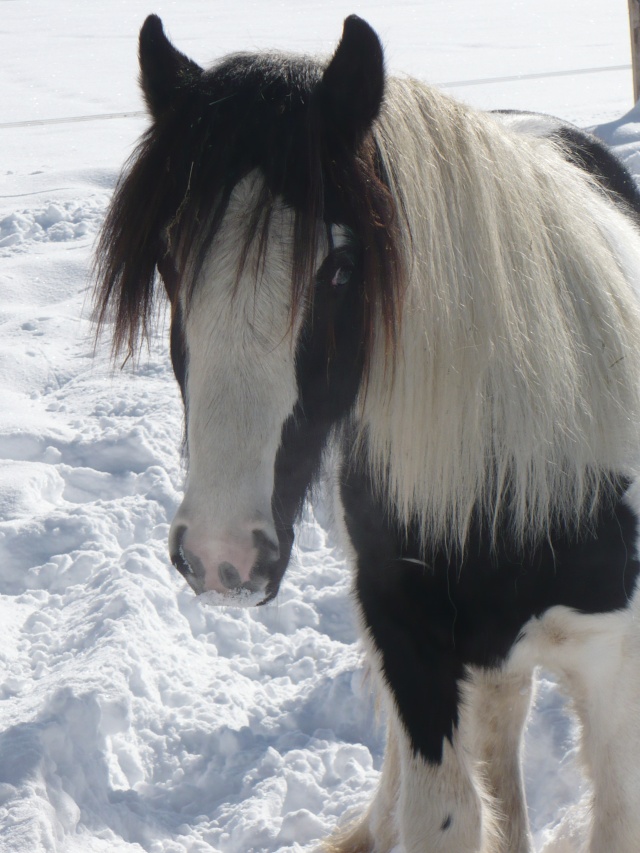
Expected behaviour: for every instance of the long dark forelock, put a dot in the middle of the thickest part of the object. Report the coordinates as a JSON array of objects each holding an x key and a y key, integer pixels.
[{"x": 249, "y": 113}]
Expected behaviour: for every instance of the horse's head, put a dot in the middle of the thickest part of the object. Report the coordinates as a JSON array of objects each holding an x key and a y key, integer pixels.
[{"x": 256, "y": 194}]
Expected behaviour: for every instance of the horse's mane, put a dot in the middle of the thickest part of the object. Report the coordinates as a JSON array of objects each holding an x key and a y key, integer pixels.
[
  {"x": 249, "y": 113},
  {"x": 516, "y": 384}
]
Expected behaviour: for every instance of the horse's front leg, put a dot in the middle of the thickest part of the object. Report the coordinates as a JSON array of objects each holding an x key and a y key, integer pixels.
[
  {"x": 408, "y": 624},
  {"x": 439, "y": 805},
  {"x": 427, "y": 806},
  {"x": 597, "y": 658},
  {"x": 495, "y": 709},
  {"x": 440, "y": 808}
]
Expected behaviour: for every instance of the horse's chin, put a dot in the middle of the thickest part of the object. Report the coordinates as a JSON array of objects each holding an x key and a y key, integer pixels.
[
  {"x": 242, "y": 597},
  {"x": 268, "y": 598},
  {"x": 239, "y": 598}
]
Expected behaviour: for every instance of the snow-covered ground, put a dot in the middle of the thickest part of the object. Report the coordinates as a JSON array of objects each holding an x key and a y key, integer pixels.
[{"x": 131, "y": 717}]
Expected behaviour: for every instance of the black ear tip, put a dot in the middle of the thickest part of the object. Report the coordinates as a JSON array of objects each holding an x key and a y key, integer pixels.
[
  {"x": 356, "y": 26},
  {"x": 164, "y": 71},
  {"x": 353, "y": 81},
  {"x": 352, "y": 22},
  {"x": 360, "y": 39},
  {"x": 152, "y": 29}
]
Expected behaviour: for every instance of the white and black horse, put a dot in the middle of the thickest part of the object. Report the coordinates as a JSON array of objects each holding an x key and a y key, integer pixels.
[{"x": 448, "y": 302}]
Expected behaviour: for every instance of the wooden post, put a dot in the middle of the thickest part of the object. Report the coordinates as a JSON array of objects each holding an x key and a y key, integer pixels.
[{"x": 634, "y": 23}]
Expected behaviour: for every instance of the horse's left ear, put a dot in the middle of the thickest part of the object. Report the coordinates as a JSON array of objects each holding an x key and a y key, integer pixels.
[
  {"x": 353, "y": 82},
  {"x": 163, "y": 69}
]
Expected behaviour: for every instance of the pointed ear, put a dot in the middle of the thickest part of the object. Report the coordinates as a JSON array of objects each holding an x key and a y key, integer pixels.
[
  {"x": 163, "y": 69},
  {"x": 353, "y": 82}
]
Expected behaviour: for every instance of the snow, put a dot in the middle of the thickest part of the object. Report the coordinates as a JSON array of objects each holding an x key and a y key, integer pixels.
[{"x": 132, "y": 716}]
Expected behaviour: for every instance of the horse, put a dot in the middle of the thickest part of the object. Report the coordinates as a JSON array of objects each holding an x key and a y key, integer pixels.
[{"x": 438, "y": 309}]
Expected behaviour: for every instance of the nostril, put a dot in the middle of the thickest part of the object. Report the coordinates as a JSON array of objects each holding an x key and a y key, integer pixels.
[
  {"x": 177, "y": 552},
  {"x": 188, "y": 564},
  {"x": 175, "y": 538},
  {"x": 229, "y": 576}
]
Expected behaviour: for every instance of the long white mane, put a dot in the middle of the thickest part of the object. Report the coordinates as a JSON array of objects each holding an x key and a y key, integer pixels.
[{"x": 517, "y": 380}]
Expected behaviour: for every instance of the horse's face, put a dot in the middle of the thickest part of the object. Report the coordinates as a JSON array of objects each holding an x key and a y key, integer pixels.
[
  {"x": 237, "y": 373},
  {"x": 262, "y": 392},
  {"x": 266, "y": 281},
  {"x": 237, "y": 367}
]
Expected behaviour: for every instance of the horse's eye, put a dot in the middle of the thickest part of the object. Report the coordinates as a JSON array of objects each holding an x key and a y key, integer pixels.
[
  {"x": 342, "y": 261},
  {"x": 341, "y": 276}
]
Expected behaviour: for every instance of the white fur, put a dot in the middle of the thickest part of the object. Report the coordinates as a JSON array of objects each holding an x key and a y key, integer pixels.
[
  {"x": 597, "y": 659},
  {"x": 339, "y": 236},
  {"x": 519, "y": 346},
  {"x": 531, "y": 124},
  {"x": 241, "y": 387},
  {"x": 497, "y": 705}
]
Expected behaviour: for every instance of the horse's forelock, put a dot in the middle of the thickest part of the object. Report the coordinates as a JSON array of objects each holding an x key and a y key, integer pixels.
[{"x": 174, "y": 193}]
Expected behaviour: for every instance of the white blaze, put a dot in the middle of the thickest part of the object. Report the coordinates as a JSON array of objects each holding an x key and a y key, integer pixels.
[{"x": 240, "y": 385}]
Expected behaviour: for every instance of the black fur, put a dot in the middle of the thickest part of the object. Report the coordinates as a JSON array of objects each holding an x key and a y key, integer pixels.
[
  {"x": 353, "y": 82},
  {"x": 163, "y": 69},
  {"x": 592, "y": 155},
  {"x": 429, "y": 621},
  {"x": 329, "y": 368}
]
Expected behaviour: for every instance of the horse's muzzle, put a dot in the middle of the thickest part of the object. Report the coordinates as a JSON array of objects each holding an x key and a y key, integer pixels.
[{"x": 228, "y": 569}]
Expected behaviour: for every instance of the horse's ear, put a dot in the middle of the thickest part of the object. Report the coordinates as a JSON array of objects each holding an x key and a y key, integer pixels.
[
  {"x": 353, "y": 82},
  {"x": 163, "y": 69}
]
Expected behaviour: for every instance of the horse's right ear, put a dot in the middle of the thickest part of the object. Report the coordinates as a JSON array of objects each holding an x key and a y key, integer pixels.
[
  {"x": 163, "y": 69},
  {"x": 353, "y": 82}
]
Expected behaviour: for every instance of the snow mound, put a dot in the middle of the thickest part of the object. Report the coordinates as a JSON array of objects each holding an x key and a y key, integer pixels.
[{"x": 57, "y": 222}]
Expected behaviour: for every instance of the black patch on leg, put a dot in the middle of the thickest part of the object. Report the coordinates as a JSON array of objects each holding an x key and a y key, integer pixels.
[{"x": 415, "y": 641}]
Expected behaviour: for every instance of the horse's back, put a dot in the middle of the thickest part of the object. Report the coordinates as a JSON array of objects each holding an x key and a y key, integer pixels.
[{"x": 581, "y": 147}]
